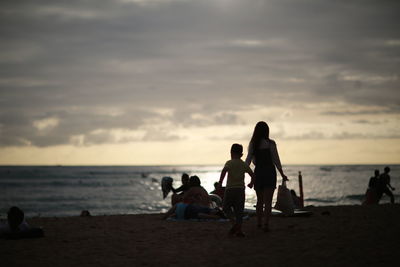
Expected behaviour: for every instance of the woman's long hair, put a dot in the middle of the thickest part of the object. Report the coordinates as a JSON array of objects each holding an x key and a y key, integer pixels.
[{"x": 261, "y": 131}]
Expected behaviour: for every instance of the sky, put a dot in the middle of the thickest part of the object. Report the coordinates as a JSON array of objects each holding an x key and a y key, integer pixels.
[{"x": 150, "y": 82}]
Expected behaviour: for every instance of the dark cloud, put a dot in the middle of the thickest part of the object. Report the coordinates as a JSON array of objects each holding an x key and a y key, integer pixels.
[
  {"x": 346, "y": 135},
  {"x": 359, "y": 112},
  {"x": 340, "y": 135},
  {"x": 204, "y": 60}
]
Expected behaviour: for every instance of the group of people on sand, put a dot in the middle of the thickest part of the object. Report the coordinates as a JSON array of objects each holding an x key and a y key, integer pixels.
[
  {"x": 194, "y": 202},
  {"x": 378, "y": 185}
]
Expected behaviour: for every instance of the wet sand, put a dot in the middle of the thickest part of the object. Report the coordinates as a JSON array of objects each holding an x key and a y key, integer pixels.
[{"x": 332, "y": 236}]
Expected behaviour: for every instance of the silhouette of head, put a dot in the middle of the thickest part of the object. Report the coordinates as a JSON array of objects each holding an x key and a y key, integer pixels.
[
  {"x": 15, "y": 217},
  {"x": 387, "y": 169},
  {"x": 194, "y": 181},
  {"x": 185, "y": 178},
  {"x": 261, "y": 131},
  {"x": 237, "y": 149},
  {"x": 376, "y": 172}
]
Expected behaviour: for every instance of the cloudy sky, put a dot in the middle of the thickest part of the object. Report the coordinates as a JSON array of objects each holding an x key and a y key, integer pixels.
[{"x": 179, "y": 81}]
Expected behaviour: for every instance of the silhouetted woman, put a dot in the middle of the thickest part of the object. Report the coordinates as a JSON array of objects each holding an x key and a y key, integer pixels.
[{"x": 264, "y": 154}]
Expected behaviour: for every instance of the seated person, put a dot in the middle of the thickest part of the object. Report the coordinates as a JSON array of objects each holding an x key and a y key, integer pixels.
[
  {"x": 196, "y": 193},
  {"x": 296, "y": 200},
  {"x": 218, "y": 190},
  {"x": 177, "y": 195},
  {"x": 17, "y": 227},
  {"x": 185, "y": 185}
]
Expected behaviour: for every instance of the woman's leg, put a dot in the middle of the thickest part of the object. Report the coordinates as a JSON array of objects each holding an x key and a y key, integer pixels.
[
  {"x": 260, "y": 206},
  {"x": 268, "y": 193}
]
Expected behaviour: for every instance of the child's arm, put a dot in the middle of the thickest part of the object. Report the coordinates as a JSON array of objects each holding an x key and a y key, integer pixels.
[
  {"x": 391, "y": 187},
  {"x": 222, "y": 176},
  {"x": 253, "y": 178}
]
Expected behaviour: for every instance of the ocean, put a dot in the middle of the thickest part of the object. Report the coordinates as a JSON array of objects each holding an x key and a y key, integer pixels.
[{"x": 56, "y": 191}]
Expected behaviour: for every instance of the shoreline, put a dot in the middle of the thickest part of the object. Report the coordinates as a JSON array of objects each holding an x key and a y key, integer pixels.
[{"x": 334, "y": 236}]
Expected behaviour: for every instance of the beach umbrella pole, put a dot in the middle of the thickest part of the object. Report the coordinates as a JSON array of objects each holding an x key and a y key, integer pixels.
[{"x": 301, "y": 189}]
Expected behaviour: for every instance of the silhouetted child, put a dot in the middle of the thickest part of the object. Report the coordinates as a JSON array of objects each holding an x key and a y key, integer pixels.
[
  {"x": 384, "y": 185},
  {"x": 235, "y": 188},
  {"x": 373, "y": 193}
]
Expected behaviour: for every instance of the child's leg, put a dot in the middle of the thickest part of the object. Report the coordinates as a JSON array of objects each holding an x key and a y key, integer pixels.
[
  {"x": 238, "y": 208},
  {"x": 239, "y": 204},
  {"x": 227, "y": 205}
]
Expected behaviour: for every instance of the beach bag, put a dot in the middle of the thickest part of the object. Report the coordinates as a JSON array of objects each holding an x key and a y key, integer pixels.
[{"x": 284, "y": 200}]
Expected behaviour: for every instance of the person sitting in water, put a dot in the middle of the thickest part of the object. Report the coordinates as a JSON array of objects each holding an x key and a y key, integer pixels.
[
  {"x": 177, "y": 195},
  {"x": 196, "y": 193},
  {"x": 17, "y": 227}
]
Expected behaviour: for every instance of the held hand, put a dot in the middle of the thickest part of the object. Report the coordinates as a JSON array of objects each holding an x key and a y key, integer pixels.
[{"x": 284, "y": 177}]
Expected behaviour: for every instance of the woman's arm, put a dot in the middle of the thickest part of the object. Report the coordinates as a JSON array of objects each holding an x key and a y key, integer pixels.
[
  {"x": 253, "y": 178},
  {"x": 276, "y": 159},
  {"x": 249, "y": 155}
]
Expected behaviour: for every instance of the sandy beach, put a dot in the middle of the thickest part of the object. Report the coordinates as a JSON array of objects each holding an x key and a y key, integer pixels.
[{"x": 332, "y": 236}]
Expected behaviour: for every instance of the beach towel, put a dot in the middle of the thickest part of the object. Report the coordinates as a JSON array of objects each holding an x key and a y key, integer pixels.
[{"x": 176, "y": 219}]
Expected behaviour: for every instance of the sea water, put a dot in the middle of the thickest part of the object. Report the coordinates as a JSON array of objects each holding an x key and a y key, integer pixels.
[{"x": 106, "y": 190}]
